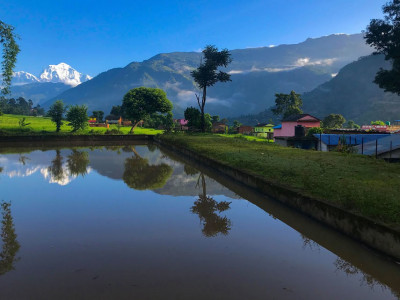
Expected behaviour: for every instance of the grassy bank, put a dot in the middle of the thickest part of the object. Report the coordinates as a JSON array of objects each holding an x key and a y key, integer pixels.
[
  {"x": 9, "y": 125},
  {"x": 356, "y": 183}
]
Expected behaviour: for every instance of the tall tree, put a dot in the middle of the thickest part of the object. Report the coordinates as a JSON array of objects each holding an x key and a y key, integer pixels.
[
  {"x": 56, "y": 112},
  {"x": 140, "y": 103},
  {"x": 207, "y": 74},
  {"x": 10, "y": 51},
  {"x": 77, "y": 116},
  {"x": 384, "y": 36},
  {"x": 287, "y": 104}
]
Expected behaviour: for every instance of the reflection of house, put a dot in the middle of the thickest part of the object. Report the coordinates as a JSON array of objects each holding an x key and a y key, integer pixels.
[
  {"x": 264, "y": 130},
  {"x": 244, "y": 129},
  {"x": 288, "y": 124},
  {"x": 219, "y": 127}
]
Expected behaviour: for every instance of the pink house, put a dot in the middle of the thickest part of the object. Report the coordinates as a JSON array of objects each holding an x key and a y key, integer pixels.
[{"x": 289, "y": 123}]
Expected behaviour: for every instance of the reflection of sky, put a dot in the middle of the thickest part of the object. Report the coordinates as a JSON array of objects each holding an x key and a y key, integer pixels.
[
  {"x": 35, "y": 162},
  {"x": 98, "y": 227}
]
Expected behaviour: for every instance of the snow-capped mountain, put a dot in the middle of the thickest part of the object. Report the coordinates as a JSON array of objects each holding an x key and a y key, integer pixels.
[
  {"x": 61, "y": 73},
  {"x": 21, "y": 77}
]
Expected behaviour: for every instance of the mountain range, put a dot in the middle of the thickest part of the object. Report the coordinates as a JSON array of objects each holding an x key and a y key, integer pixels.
[
  {"x": 327, "y": 71},
  {"x": 257, "y": 74},
  {"x": 51, "y": 82}
]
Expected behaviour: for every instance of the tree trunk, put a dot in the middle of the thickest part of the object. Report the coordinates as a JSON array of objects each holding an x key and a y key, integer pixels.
[
  {"x": 203, "y": 103},
  {"x": 133, "y": 127}
]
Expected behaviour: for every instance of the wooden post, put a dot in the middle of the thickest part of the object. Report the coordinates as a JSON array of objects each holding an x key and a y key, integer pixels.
[{"x": 362, "y": 145}]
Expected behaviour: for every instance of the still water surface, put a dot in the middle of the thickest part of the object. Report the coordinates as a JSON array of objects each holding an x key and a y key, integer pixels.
[{"x": 134, "y": 222}]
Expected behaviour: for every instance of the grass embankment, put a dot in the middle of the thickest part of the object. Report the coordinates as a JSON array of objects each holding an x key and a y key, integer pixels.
[
  {"x": 356, "y": 183},
  {"x": 9, "y": 125}
]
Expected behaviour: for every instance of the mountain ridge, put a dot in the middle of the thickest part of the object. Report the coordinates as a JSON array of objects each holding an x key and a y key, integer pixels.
[{"x": 317, "y": 58}]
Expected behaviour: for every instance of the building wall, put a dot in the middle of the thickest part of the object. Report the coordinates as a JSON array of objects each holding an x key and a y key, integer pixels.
[{"x": 288, "y": 128}]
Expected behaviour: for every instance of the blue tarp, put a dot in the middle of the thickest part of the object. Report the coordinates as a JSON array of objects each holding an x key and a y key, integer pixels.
[
  {"x": 351, "y": 139},
  {"x": 278, "y": 126}
]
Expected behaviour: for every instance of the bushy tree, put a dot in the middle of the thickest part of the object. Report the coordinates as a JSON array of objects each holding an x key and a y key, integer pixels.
[
  {"x": 141, "y": 102},
  {"x": 207, "y": 123},
  {"x": 352, "y": 125},
  {"x": 77, "y": 117},
  {"x": 380, "y": 123},
  {"x": 287, "y": 104},
  {"x": 214, "y": 119},
  {"x": 99, "y": 115},
  {"x": 169, "y": 122},
  {"x": 207, "y": 74},
  {"x": 193, "y": 116},
  {"x": 9, "y": 57},
  {"x": 333, "y": 121},
  {"x": 56, "y": 112},
  {"x": 384, "y": 36}
]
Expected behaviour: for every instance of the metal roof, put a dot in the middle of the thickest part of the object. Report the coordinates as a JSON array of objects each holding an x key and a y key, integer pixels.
[{"x": 351, "y": 139}]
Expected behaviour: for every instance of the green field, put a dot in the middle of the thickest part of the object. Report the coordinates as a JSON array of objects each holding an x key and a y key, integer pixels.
[
  {"x": 9, "y": 125},
  {"x": 356, "y": 183}
]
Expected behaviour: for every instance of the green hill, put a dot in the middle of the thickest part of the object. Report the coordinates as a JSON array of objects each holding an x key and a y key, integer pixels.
[{"x": 353, "y": 94}]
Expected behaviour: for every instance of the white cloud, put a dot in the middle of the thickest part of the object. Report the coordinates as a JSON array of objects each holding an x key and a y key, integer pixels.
[{"x": 306, "y": 61}]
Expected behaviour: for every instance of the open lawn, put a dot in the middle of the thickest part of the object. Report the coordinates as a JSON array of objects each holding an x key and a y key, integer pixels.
[
  {"x": 9, "y": 125},
  {"x": 356, "y": 183}
]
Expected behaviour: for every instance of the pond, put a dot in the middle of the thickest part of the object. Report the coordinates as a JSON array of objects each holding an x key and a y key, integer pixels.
[{"x": 138, "y": 222}]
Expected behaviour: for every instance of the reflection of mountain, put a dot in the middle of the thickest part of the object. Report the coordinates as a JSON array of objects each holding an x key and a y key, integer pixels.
[
  {"x": 55, "y": 170},
  {"x": 10, "y": 245}
]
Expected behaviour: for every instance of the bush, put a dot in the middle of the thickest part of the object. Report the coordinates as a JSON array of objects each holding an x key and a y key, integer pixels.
[{"x": 314, "y": 130}]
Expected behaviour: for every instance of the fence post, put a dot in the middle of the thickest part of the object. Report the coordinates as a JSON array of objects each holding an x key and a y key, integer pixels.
[
  {"x": 320, "y": 141},
  {"x": 362, "y": 145},
  {"x": 376, "y": 148},
  {"x": 390, "y": 153}
]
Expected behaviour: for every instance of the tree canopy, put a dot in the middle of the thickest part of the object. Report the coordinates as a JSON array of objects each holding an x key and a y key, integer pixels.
[
  {"x": 77, "y": 116},
  {"x": 333, "y": 121},
  {"x": 287, "y": 104},
  {"x": 140, "y": 175},
  {"x": 207, "y": 74},
  {"x": 384, "y": 36},
  {"x": 9, "y": 57},
  {"x": 56, "y": 112},
  {"x": 141, "y": 102}
]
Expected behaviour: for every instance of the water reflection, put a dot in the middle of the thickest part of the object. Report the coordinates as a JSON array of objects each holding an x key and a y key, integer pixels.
[
  {"x": 140, "y": 175},
  {"x": 206, "y": 208},
  {"x": 9, "y": 239},
  {"x": 78, "y": 163},
  {"x": 56, "y": 169}
]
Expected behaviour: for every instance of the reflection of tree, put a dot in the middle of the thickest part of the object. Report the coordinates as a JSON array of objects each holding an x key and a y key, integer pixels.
[
  {"x": 140, "y": 175},
  {"x": 206, "y": 207},
  {"x": 22, "y": 159},
  {"x": 78, "y": 162},
  {"x": 9, "y": 239},
  {"x": 189, "y": 170},
  {"x": 352, "y": 270},
  {"x": 56, "y": 168}
]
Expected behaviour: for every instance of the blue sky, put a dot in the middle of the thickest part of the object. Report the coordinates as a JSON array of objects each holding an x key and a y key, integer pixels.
[{"x": 94, "y": 36}]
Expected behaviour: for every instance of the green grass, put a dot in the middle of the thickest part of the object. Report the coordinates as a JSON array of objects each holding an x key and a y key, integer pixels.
[
  {"x": 9, "y": 125},
  {"x": 356, "y": 183},
  {"x": 246, "y": 137}
]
